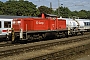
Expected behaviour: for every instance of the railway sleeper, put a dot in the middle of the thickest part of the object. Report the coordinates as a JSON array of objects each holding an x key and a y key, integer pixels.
[{"x": 61, "y": 55}]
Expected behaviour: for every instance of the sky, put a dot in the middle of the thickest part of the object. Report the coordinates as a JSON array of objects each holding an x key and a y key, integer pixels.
[{"x": 71, "y": 4}]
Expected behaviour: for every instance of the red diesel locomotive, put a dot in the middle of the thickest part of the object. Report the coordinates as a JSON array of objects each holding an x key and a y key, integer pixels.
[{"x": 39, "y": 28}]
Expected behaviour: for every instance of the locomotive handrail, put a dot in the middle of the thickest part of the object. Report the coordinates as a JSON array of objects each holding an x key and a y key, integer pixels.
[
  {"x": 12, "y": 34},
  {"x": 76, "y": 21}
]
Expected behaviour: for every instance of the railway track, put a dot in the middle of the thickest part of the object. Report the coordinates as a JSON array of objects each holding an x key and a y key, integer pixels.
[
  {"x": 31, "y": 47},
  {"x": 63, "y": 52},
  {"x": 8, "y": 43}
]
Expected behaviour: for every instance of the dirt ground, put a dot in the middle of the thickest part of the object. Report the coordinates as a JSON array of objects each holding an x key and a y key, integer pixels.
[{"x": 82, "y": 56}]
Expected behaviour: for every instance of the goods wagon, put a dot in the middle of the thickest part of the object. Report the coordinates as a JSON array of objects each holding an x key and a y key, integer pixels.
[
  {"x": 84, "y": 24},
  {"x": 38, "y": 28},
  {"x": 75, "y": 26}
]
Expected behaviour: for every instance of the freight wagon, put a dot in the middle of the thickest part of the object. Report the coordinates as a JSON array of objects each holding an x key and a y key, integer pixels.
[{"x": 76, "y": 26}]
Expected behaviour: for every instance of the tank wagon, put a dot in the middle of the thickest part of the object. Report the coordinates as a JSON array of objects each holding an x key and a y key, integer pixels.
[
  {"x": 75, "y": 26},
  {"x": 84, "y": 24},
  {"x": 46, "y": 26}
]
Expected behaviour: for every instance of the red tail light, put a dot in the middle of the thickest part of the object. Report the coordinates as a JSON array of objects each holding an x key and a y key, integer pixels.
[{"x": 6, "y": 31}]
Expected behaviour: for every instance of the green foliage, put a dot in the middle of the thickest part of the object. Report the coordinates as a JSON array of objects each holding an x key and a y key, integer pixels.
[
  {"x": 44, "y": 9},
  {"x": 88, "y": 14},
  {"x": 1, "y": 8},
  {"x": 82, "y": 14},
  {"x": 65, "y": 12},
  {"x": 26, "y": 8},
  {"x": 19, "y": 8},
  {"x": 74, "y": 13}
]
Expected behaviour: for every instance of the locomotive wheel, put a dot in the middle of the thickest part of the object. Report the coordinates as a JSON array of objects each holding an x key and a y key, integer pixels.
[
  {"x": 44, "y": 35},
  {"x": 30, "y": 38},
  {"x": 82, "y": 33},
  {"x": 63, "y": 34},
  {"x": 40, "y": 37},
  {"x": 57, "y": 35},
  {"x": 66, "y": 34},
  {"x": 75, "y": 33}
]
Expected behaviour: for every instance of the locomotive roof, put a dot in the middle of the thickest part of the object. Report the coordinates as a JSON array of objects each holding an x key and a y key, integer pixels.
[
  {"x": 11, "y": 17},
  {"x": 47, "y": 15},
  {"x": 51, "y": 15}
]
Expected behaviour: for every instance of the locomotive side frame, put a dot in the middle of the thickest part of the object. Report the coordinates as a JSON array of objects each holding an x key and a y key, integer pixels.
[{"x": 38, "y": 35}]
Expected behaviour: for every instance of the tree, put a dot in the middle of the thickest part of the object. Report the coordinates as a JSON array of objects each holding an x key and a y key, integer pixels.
[
  {"x": 12, "y": 0},
  {"x": 21, "y": 0},
  {"x": 82, "y": 14},
  {"x": 20, "y": 8},
  {"x": 88, "y": 14},
  {"x": 26, "y": 8},
  {"x": 74, "y": 13},
  {"x": 1, "y": 8},
  {"x": 63, "y": 11},
  {"x": 44, "y": 9}
]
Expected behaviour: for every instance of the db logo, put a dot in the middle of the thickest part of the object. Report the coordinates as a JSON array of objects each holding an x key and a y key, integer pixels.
[{"x": 38, "y": 22}]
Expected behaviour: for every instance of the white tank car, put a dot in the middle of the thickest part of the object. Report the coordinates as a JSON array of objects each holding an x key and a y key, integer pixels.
[
  {"x": 84, "y": 24},
  {"x": 70, "y": 23},
  {"x": 75, "y": 26}
]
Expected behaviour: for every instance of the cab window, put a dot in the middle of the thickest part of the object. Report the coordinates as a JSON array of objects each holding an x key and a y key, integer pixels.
[
  {"x": 7, "y": 24},
  {"x": 0, "y": 24}
]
